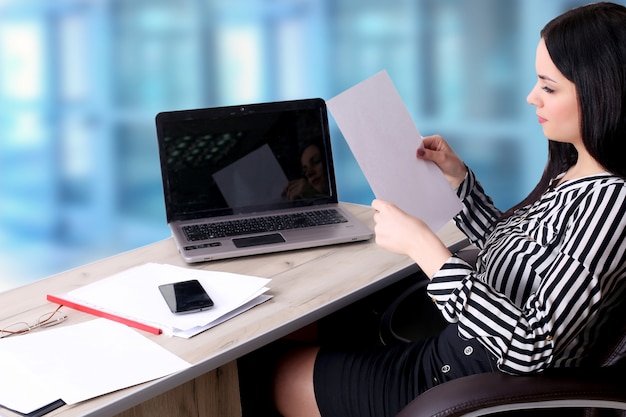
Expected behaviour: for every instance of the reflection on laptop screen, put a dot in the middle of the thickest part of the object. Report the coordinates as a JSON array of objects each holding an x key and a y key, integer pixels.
[{"x": 240, "y": 163}]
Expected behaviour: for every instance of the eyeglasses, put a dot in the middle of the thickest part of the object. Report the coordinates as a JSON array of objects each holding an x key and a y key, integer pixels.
[{"x": 46, "y": 320}]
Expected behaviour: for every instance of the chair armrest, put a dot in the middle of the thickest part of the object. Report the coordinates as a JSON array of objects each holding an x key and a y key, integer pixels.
[{"x": 488, "y": 393}]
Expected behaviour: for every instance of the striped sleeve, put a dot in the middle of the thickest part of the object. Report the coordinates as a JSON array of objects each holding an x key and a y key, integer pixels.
[
  {"x": 579, "y": 275},
  {"x": 479, "y": 215}
]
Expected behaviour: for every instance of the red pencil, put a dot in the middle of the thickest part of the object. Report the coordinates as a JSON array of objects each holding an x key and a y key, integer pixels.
[{"x": 95, "y": 312}]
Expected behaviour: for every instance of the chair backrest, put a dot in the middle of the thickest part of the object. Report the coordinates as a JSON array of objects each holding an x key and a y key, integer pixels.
[
  {"x": 614, "y": 351},
  {"x": 610, "y": 349}
]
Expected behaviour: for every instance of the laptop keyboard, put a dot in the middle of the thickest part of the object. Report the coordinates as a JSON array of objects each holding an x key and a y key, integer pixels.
[{"x": 230, "y": 228}]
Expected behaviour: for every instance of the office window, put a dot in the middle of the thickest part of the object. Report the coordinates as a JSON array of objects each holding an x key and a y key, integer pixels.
[
  {"x": 240, "y": 49},
  {"x": 156, "y": 53}
]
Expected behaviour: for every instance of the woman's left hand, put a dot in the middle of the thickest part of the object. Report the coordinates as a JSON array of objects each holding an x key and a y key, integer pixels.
[{"x": 397, "y": 231}]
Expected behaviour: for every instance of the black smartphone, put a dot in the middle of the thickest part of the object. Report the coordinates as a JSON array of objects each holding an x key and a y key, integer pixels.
[{"x": 186, "y": 296}]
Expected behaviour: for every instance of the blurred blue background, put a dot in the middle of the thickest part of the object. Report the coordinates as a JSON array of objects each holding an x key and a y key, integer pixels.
[{"x": 81, "y": 82}]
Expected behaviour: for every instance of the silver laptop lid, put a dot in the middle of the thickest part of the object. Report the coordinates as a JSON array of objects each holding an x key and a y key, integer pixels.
[{"x": 245, "y": 159}]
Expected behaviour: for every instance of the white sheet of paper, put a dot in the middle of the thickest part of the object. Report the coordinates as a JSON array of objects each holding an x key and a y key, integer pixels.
[
  {"x": 384, "y": 139},
  {"x": 79, "y": 362},
  {"x": 21, "y": 389},
  {"x": 187, "y": 333},
  {"x": 134, "y": 293}
]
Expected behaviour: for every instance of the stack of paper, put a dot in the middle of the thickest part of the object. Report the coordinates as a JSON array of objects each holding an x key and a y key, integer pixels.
[
  {"x": 76, "y": 363},
  {"x": 133, "y": 297}
]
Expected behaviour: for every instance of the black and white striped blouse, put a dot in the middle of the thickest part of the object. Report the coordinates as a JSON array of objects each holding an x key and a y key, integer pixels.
[{"x": 545, "y": 277}]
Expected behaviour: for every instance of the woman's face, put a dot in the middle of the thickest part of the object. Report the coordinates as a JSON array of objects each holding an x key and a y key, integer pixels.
[
  {"x": 313, "y": 168},
  {"x": 556, "y": 101}
]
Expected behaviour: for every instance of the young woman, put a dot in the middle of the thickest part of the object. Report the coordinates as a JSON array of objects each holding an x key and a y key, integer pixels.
[{"x": 550, "y": 270}]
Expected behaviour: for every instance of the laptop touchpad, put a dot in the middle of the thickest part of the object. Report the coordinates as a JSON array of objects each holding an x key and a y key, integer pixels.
[{"x": 245, "y": 242}]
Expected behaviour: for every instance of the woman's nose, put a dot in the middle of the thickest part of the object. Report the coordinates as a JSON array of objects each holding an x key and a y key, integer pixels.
[{"x": 532, "y": 98}]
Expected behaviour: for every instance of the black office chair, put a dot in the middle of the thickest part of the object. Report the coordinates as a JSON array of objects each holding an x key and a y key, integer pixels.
[
  {"x": 559, "y": 392},
  {"x": 569, "y": 391}
]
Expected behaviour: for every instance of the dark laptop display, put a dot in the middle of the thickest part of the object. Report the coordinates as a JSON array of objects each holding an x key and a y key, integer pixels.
[
  {"x": 199, "y": 147},
  {"x": 221, "y": 164}
]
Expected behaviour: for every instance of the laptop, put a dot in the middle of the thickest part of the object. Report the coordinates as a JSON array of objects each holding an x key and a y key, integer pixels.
[{"x": 251, "y": 179}]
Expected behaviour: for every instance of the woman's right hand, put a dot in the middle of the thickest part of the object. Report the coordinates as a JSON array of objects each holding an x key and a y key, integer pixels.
[{"x": 437, "y": 150}]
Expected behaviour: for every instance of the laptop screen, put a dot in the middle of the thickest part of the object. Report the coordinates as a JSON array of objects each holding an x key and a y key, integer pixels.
[{"x": 244, "y": 159}]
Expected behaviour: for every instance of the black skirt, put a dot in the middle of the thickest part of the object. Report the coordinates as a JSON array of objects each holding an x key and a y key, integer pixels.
[{"x": 379, "y": 382}]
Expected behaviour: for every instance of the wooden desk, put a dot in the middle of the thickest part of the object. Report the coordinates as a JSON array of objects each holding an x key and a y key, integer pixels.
[{"x": 306, "y": 284}]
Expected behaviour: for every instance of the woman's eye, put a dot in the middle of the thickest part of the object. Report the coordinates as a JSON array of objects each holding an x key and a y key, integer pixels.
[{"x": 547, "y": 89}]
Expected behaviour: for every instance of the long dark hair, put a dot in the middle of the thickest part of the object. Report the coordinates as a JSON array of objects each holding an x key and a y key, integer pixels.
[{"x": 588, "y": 46}]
